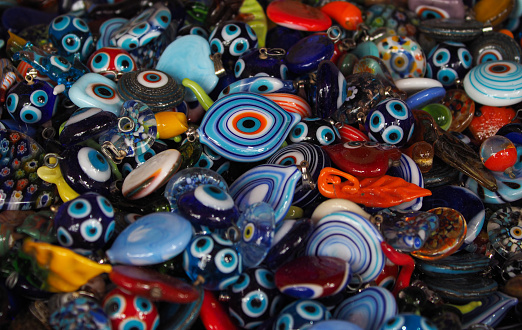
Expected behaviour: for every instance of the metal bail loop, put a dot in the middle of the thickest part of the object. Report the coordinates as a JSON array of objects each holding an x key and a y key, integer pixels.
[
  {"x": 305, "y": 176},
  {"x": 265, "y": 53},
  {"x": 233, "y": 234},
  {"x": 110, "y": 151},
  {"x": 192, "y": 135},
  {"x": 377, "y": 220},
  {"x": 334, "y": 33},
  {"x": 125, "y": 124},
  {"x": 219, "y": 69},
  {"x": 48, "y": 157}
]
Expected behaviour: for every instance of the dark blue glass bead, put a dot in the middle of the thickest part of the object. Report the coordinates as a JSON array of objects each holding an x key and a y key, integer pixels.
[
  {"x": 86, "y": 123},
  {"x": 331, "y": 89},
  {"x": 315, "y": 131},
  {"x": 263, "y": 61},
  {"x": 282, "y": 37},
  {"x": 208, "y": 205},
  {"x": 305, "y": 56}
]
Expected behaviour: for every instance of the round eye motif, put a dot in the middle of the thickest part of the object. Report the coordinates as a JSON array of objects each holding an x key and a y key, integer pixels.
[
  {"x": 230, "y": 31},
  {"x": 441, "y": 57},
  {"x": 79, "y": 208},
  {"x": 110, "y": 231},
  {"x": 400, "y": 62},
  {"x": 238, "y": 47},
  {"x": 128, "y": 42},
  {"x": 490, "y": 55},
  {"x": 290, "y": 158},
  {"x": 226, "y": 260},
  {"x": 162, "y": 18},
  {"x": 141, "y": 29},
  {"x": 394, "y": 323},
  {"x": 397, "y": 109},
  {"x": 39, "y": 98},
  {"x": 465, "y": 57},
  {"x": 11, "y": 102},
  {"x": 100, "y": 62},
  {"x": 309, "y": 310},
  {"x": 80, "y": 24},
  {"x": 429, "y": 12},
  {"x": 71, "y": 43},
  {"x": 239, "y": 68},
  {"x": 325, "y": 135},
  {"x": 30, "y": 114},
  {"x": 124, "y": 63},
  {"x": 216, "y": 46},
  {"x": 242, "y": 283},
  {"x": 299, "y": 132},
  {"x": 115, "y": 306},
  {"x": 143, "y": 305},
  {"x": 198, "y": 31},
  {"x": 103, "y": 93},
  {"x": 204, "y": 162},
  {"x": 64, "y": 238},
  {"x": 249, "y": 232},
  {"x": 94, "y": 164},
  {"x": 132, "y": 324},
  {"x": 516, "y": 232},
  {"x": 105, "y": 206},
  {"x": 264, "y": 85},
  {"x": 392, "y": 134},
  {"x": 251, "y": 33},
  {"x": 91, "y": 230},
  {"x": 265, "y": 278},
  {"x": 142, "y": 158},
  {"x": 447, "y": 76},
  {"x": 214, "y": 197},
  {"x": 60, "y": 23},
  {"x": 377, "y": 121},
  {"x": 352, "y": 145},
  {"x": 285, "y": 321},
  {"x": 201, "y": 247},
  {"x": 61, "y": 63},
  {"x": 255, "y": 303},
  {"x": 152, "y": 79}
]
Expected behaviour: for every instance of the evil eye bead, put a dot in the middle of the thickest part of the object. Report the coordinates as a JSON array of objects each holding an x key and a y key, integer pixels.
[
  {"x": 285, "y": 321},
  {"x": 216, "y": 46},
  {"x": 80, "y": 24},
  {"x": 255, "y": 303},
  {"x": 202, "y": 247},
  {"x": 128, "y": 42},
  {"x": 60, "y": 23},
  {"x": 465, "y": 57},
  {"x": 325, "y": 135},
  {"x": 447, "y": 76},
  {"x": 110, "y": 231},
  {"x": 491, "y": 55},
  {"x": 71, "y": 43},
  {"x": 212, "y": 196},
  {"x": 265, "y": 278},
  {"x": 310, "y": 310},
  {"x": 230, "y": 31},
  {"x": 250, "y": 32},
  {"x": 441, "y": 57},
  {"x": 39, "y": 98},
  {"x": 103, "y": 93},
  {"x": 91, "y": 230},
  {"x": 100, "y": 62},
  {"x": 238, "y": 46},
  {"x": 11, "y": 102},
  {"x": 516, "y": 232},
  {"x": 30, "y": 114},
  {"x": 61, "y": 63},
  {"x": 79, "y": 208},
  {"x": 124, "y": 63},
  {"x": 94, "y": 164},
  {"x": 132, "y": 324},
  {"x": 299, "y": 132},
  {"x": 152, "y": 79},
  {"x": 392, "y": 134},
  {"x": 239, "y": 68},
  {"x": 249, "y": 232},
  {"x": 115, "y": 305},
  {"x": 265, "y": 85},
  {"x": 377, "y": 121},
  {"x": 397, "y": 109},
  {"x": 64, "y": 238},
  {"x": 143, "y": 305},
  {"x": 226, "y": 260}
]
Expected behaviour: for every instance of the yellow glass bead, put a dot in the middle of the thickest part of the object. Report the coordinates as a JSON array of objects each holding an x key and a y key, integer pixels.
[
  {"x": 54, "y": 175},
  {"x": 68, "y": 271},
  {"x": 493, "y": 11},
  {"x": 171, "y": 124}
]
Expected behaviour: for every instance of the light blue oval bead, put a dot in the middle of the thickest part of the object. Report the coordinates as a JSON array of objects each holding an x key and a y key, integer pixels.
[
  {"x": 189, "y": 57},
  {"x": 152, "y": 239},
  {"x": 366, "y": 48},
  {"x": 93, "y": 90}
]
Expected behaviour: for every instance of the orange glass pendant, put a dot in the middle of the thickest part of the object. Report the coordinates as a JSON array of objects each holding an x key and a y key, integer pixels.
[{"x": 348, "y": 15}]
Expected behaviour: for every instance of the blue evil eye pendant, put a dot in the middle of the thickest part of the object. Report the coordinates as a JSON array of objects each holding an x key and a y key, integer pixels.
[
  {"x": 262, "y": 61},
  {"x": 448, "y": 62},
  {"x": 257, "y": 226},
  {"x": 163, "y": 235},
  {"x": 85, "y": 224},
  {"x": 142, "y": 29},
  {"x": 232, "y": 39},
  {"x": 391, "y": 121},
  {"x": 155, "y": 88},
  {"x": 95, "y": 90},
  {"x": 296, "y": 153},
  {"x": 31, "y": 102},
  {"x": 85, "y": 169},
  {"x": 304, "y": 57},
  {"x": 260, "y": 85},
  {"x": 245, "y": 127},
  {"x": 189, "y": 179},
  {"x": 272, "y": 184},
  {"x": 320, "y": 132},
  {"x": 133, "y": 136},
  {"x": 20, "y": 186},
  {"x": 495, "y": 46},
  {"x": 212, "y": 261},
  {"x": 111, "y": 62},
  {"x": 208, "y": 205},
  {"x": 254, "y": 297},
  {"x": 86, "y": 123},
  {"x": 331, "y": 89},
  {"x": 407, "y": 231},
  {"x": 301, "y": 313},
  {"x": 71, "y": 35}
]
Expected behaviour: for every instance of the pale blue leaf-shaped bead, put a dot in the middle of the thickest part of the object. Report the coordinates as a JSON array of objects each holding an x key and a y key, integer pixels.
[
  {"x": 152, "y": 239},
  {"x": 95, "y": 90}
]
